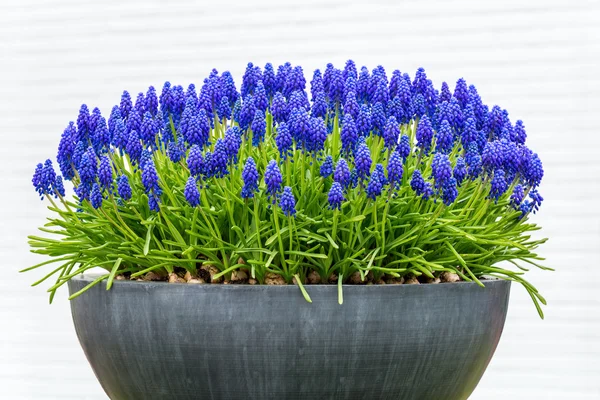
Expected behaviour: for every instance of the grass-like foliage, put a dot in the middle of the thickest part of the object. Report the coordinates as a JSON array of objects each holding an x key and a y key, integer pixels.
[{"x": 376, "y": 177}]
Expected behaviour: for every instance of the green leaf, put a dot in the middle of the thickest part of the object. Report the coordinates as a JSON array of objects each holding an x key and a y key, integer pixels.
[{"x": 113, "y": 273}]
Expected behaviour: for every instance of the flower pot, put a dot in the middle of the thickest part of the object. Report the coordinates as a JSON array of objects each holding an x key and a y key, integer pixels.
[{"x": 154, "y": 340}]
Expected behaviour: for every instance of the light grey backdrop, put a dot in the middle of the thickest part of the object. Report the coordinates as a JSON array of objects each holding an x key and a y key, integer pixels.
[{"x": 538, "y": 59}]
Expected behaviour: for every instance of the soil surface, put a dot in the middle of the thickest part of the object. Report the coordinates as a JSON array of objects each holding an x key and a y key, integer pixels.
[{"x": 241, "y": 276}]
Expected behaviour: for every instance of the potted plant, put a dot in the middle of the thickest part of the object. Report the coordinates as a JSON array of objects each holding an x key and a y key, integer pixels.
[{"x": 274, "y": 243}]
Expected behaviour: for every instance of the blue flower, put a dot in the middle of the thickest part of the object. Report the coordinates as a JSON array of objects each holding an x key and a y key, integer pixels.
[
  {"x": 219, "y": 159},
  {"x": 349, "y": 133},
  {"x": 469, "y": 134},
  {"x": 362, "y": 85},
  {"x": 417, "y": 183},
  {"x": 105, "y": 176},
  {"x": 461, "y": 93},
  {"x": 317, "y": 135},
  {"x": 473, "y": 160},
  {"x": 378, "y": 118},
  {"x": 419, "y": 107},
  {"x": 151, "y": 101},
  {"x": 115, "y": 115},
  {"x": 327, "y": 167},
  {"x": 444, "y": 138},
  {"x": 268, "y": 79},
  {"x": 283, "y": 140},
  {"x": 191, "y": 193},
  {"x": 140, "y": 104},
  {"x": 38, "y": 180},
  {"x": 248, "y": 80},
  {"x": 279, "y": 108},
  {"x": 391, "y": 133},
  {"x": 66, "y": 148},
  {"x": 133, "y": 147},
  {"x": 126, "y": 106},
  {"x": 59, "y": 186},
  {"x": 195, "y": 161},
  {"x": 349, "y": 86},
  {"x": 224, "y": 109},
  {"x": 176, "y": 151},
  {"x": 449, "y": 191},
  {"x": 96, "y": 196},
  {"x": 294, "y": 81},
  {"x": 250, "y": 177},
  {"x": 123, "y": 188},
  {"x": 287, "y": 202},
  {"x": 164, "y": 100},
  {"x": 381, "y": 171},
  {"x": 460, "y": 170},
  {"x": 247, "y": 113},
  {"x": 419, "y": 84},
  {"x": 394, "y": 87},
  {"x": 404, "y": 147},
  {"x": 298, "y": 100},
  {"x": 298, "y": 124},
  {"x": 273, "y": 179},
  {"x": 363, "y": 122},
  {"x": 519, "y": 132},
  {"x": 88, "y": 169},
  {"x": 493, "y": 155},
  {"x": 445, "y": 94},
  {"x": 342, "y": 173},
  {"x": 150, "y": 177},
  {"x": 536, "y": 200},
  {"x": 517, "y": 196},
  {"x": 259, "y": 127},
  {"x": 233, "y": 142},
  {"x": 374, "y": 187},
  {"x": 282, "y": 73},
  {"x": 424, "y": 134},
  {"x": 534, "y": 172},
  {"x": 82, "y": 124},
  {"x": 381, "y": 94},
  {"x": 405, "y": 97},
  {"x": 336, "y": 196},
  {"x": 134, "y": 121},
  {"x": 351, "y": 105},
  {"x": 260, "y": 97},
  {"x": 499, "y": 185},
  {"x": 441, "y": 169},
  {"x": 336, "y": 86},
  {"x": 362, "y": 161},
  {"x": 319, "y": 106},
  {"x": 228, "y": 88},
  {"x": 395, "y": 169},
  {"x": 78, "y": 153},
  {"x": 349, "y": 70},
  {"x": 148, "y": 130}
]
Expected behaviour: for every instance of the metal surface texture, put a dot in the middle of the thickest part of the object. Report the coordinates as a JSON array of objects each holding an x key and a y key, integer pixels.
[{"x": 154, "y": 340}]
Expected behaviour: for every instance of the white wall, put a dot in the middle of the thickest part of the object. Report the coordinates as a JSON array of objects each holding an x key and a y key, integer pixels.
[{"x": 539, "y": 59}]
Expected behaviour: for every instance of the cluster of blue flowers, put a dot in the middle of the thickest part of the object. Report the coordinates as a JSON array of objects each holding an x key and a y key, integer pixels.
[{"x": 453, "y": 132}]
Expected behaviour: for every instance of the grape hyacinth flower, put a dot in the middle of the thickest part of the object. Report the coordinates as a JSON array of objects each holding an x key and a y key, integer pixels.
[
  {"x": 349, "y": 134},
  {"x": 250, "y": 178},
  {"x": 404, "y": 147},
  {"x": 327, "y": 167},
  {"x": 335, "y": 196},
  {"x": 499, "y": 185},
  {"x": 259, "y": 127},
  {"x": 191, "y": 193},
  {"x": 441, "y": 169},
  {"x": 284, "y": 141},
  {"x": 273, "y": 179},
  {"x": 460, "y": 170},
  {"x": 342, "y": 173},
  {"x": 391, "y": 133},
  {"x": 123, "y": 188},
  {"x": 219, "y": 160},
  {"x": 424, "y": 134},
  {"x": 444, "y": 138},
  {"x": 363, "y": 122},
  {"x": 362, "y": 161},
  {"x": 395, "y": 169},
  {"x": 517, "y": 196},
  {"x": 287, "y": 202},
  {"x": 105, "y": 173},
  {"x": 374, "y": 186},
  {"x": 96, "y": 196}
]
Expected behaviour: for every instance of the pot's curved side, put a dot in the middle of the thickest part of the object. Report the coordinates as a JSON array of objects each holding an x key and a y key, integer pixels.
[{"x": 176, "y": 341}]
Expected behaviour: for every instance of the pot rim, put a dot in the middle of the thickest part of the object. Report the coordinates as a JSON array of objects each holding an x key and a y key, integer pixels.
[{"x": 88, "y": 278}]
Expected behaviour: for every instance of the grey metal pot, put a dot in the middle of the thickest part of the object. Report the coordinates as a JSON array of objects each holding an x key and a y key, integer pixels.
[{"x": 154, "y": 340}]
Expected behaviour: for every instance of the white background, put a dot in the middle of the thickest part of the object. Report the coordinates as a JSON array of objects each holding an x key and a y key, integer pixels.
[{"x": 538, "y": 59}]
